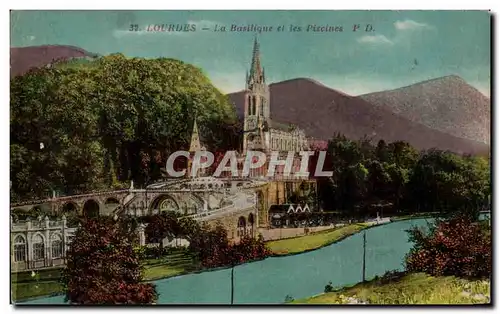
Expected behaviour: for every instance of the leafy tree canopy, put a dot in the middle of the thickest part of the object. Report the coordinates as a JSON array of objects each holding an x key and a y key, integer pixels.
[{"x": 113, "y": 118}]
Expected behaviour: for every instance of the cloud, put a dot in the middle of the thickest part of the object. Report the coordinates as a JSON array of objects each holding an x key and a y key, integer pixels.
[
  {"x": 408, "y": 25},
  {"x": 375, "y": 40},
  {"x": 399, "y": 38},
  {"x": 31, "y": 38}
]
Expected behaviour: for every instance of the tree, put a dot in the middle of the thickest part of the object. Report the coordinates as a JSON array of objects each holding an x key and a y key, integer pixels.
[
  {"x": 211, "y": 246},
  {"x": 114, "y": 117},
  {"x": 450, "y": 183},
  {"x": 164, "y": 225},
  {"x": 453, "y": 247},
  {"x": 103, "y": 268}
]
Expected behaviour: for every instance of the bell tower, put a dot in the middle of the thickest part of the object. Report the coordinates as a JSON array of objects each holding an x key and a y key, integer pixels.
[{"x": 257, "y": 101}]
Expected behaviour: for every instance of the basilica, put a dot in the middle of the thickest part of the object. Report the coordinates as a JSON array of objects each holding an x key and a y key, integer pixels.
[{"x": 260, "y": 131}]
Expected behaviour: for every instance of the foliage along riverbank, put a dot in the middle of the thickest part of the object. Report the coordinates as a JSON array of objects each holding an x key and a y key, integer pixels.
[
  {"x": 181, "y": 263},
  {"x": 450, "y": 263},
  {"x": 409, "y": 289},
  {"x": 175, "y": 264}
]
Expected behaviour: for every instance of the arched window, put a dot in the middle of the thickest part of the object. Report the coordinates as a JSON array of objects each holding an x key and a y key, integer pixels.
[
  {"x": 254, "y": 103},
  {"x": 251, "y": 221},
  {"x": 38, "y": 247},
  {"x": 57, "y": 246},
  {"x": 19, "y": 249},
  {"x": 261, "y": 112},
  {"x": 241, "y": 226},
  {"x": 249, "y": 105}
]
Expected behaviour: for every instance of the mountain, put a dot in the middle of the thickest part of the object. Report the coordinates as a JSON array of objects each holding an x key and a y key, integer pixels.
[
  {"x": 447, "y": 104},
  {"x": 322, "y": 111},
  {"x": 22, "y": 59}
]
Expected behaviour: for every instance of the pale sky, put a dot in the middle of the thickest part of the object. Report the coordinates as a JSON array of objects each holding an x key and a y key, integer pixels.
[{"x": 442, "y": 42}]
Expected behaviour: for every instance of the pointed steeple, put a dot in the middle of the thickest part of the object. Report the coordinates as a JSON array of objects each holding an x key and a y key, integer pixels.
[
  {"x": 256, "y": 75},
  {"x": 195, "y": 144}
]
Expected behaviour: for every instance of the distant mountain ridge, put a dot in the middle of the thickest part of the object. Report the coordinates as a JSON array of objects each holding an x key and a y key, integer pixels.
[
  {"x": 322, "y": 112},
  {"x": 447, "y": 104},
  {"x": 22, "y": 59}
]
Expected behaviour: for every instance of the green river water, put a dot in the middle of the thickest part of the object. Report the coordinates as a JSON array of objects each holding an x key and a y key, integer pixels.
[{"x": 269, "y": 281}]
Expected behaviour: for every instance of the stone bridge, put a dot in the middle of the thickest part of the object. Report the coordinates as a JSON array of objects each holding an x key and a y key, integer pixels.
[
  {"x": 230, "y": 202},
  {"x": 238, "y": 203}
]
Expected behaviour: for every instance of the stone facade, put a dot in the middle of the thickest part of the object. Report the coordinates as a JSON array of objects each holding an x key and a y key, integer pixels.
[
  {"x": 38, "y": 244},
  {"x": 260, "y": 132}
]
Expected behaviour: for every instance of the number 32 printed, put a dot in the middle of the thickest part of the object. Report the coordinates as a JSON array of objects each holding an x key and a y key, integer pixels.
[{"x": 134, "y": 27}]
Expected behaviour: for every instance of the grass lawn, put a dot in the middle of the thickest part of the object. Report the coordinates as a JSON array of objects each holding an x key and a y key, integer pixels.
[
  {"x": 410, "y": 289},
  {"x": 23, "y": 286},
  {"x": 413, "y": 216},
  {"x": 171, "y": 265},
  {"x": 313, "y": 241}
]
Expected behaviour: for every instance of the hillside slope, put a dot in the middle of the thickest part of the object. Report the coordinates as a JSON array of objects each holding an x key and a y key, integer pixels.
[
  {"x": 23, "y": 59},
  {"x": 322, "y": 111},
  {"x": 447, "y": 104}
]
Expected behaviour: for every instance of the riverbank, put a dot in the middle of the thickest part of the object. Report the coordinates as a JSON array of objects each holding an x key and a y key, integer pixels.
[
  {"x": 408, "y": 289},
  {"x": 25, "y": 287},
  {"x": 415, "y": 216},
  {"x": 314, "y": 241}
]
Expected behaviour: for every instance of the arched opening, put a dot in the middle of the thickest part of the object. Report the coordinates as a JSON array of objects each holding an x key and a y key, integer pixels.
[
  {"x": 69, "y": 209},
  {"x": 249, "y": 105},
  {"x": 164, "y": 203},
  {"x": 56, "y": 244},
  {"x": 19, "y": 249},
  {"x": 242, "y": 224},
  {"x": 251, "y": 222},
  {"x": 91, "y": 209},
  {"x": 38, "y": 247}
]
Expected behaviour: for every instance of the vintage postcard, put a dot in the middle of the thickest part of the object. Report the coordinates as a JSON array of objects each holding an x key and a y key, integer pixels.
[{"x": 250, "y": 157}]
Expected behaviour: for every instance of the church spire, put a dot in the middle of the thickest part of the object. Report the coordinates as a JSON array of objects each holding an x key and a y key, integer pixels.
[
  {"x": 195, "y": 144},
  {"x": 256, "y": 74}
]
